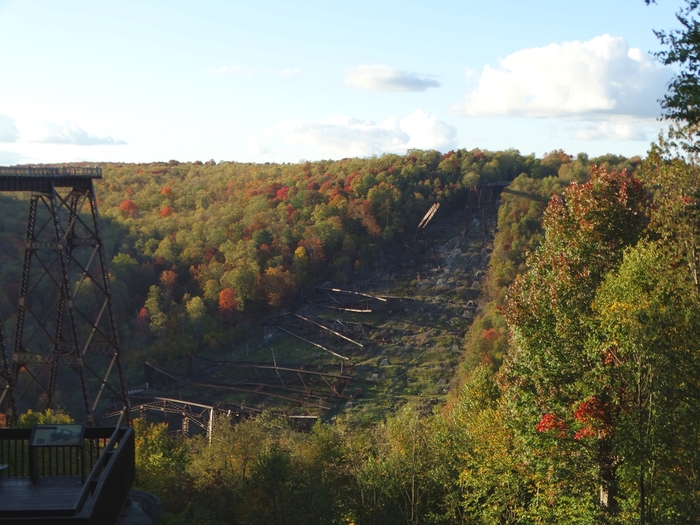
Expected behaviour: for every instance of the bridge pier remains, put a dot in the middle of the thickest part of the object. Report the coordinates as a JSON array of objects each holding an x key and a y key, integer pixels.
[
  {"x": 481, "y": 202},
  {"x": 66, "y": 339}
]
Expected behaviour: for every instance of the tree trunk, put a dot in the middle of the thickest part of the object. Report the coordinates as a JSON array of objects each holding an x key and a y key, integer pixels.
[{"x": 608, "y": 478}]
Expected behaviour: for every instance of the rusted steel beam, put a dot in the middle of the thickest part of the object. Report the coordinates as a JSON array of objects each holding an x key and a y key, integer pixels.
[
  {"x": 429, "y": 215},
  {"x": 350, "y": 292},
  {"x": 328, "y": 330},
  {"x": 247, "y": 364},
  {"x": 209, "y": 384},
  {"x": 312, "y": 343},
  {"x": 339, "y": 308}
]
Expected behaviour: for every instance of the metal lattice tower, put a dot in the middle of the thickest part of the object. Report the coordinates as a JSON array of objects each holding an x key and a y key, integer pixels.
[{"x": 66, "y": 347}]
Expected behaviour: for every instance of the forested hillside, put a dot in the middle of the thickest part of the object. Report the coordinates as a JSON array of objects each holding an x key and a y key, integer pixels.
[
  {"x": 576, "y": 395},
  {"x": 199, "y": 252},
  {"x": 432, "y": 338}
]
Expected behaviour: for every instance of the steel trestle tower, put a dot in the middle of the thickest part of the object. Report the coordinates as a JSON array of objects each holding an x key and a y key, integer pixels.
[{"x": 65, "y": 319}]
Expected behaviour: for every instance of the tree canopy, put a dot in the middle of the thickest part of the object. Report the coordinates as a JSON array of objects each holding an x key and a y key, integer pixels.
[{"x": 682, "y": 102}]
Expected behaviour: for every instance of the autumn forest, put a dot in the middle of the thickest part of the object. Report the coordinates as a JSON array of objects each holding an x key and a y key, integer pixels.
[
  {"x": 460, "y": 337},
  {"x": 575, "y": 393}
]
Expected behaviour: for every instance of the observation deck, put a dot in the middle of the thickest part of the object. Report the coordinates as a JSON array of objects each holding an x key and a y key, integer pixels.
[
  {"x": 42, "y": 180},
  {"x": 62, "y": 494}
]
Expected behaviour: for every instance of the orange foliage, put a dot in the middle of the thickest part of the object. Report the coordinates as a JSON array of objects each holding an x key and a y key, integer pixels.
[
  {"x": 489, "y": 334},
  {"x": 168, "y": 278},
  {"x": 128, "y": 208},
  {"x": 227, "y": 301},
  {"x": 362, "y": 210},
  {"x": 166, "y": 211},
  {"x": 142, "y": 321}
]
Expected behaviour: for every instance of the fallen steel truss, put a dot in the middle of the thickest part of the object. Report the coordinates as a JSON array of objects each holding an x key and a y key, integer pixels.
[
  {"x": 66, "y": 347},
  {"x": 285, "y": 384}
]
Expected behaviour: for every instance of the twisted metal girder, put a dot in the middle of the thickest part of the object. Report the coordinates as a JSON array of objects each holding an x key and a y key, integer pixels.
[{"x": 65, "y": 319}]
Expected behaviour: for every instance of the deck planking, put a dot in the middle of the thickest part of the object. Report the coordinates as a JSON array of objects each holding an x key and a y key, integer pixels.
[{"x": 59, "y": 493}]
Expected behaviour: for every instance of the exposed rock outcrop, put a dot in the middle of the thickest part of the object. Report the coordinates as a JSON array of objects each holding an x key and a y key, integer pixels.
[{"x": 141, "y": 508}]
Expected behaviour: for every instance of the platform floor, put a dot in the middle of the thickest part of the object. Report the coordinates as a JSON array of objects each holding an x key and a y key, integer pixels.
[{"x": 59, "y": 493}]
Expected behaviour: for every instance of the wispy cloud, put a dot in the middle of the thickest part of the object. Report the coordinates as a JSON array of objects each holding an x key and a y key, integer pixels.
[
  {"x": 343, "y": 136},
  {"x": 615, "y": 129},
  {"x": 8, "y": 129},
  {"x": 600, "y": 77},
  {"x": 68, "y": 133},
  {"x": 387, "y": 79}
]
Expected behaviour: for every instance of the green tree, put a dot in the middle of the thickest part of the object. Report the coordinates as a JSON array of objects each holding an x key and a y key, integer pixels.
[
  {"x": 271, "y": 474},
  {"x": 493, "y": 482},
  {"x": 156, "y": 316},
  {"x": 161, "y": 464},
  {"x": 47, "y": 417},
  {"x": 649, "y": 323},
  {"x": 123, "y": 265},
  {"x": 672, "y": 172},
  {"x": 551, "y": 372},
  {"x": 409, "y": 458},
  {"x": 682, "y": 103},
  {"x": 196, "y": 314}
]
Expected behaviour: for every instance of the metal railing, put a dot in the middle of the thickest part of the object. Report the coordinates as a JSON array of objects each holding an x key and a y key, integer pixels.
[
  {"x": 51, "y": 461},
  {"x": 110, "y": 480},
  {"x": 110, "y": 454},
  {"x": 62, "y": 171}
]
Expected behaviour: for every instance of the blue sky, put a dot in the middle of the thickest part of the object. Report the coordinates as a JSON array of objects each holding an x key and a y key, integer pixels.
[{"x": 281, "y": 81}]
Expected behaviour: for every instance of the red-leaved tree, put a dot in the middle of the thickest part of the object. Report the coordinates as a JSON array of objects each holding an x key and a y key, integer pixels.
[
  {"x": 128, "y": 208},
  {"x": 228, "y": 305}
]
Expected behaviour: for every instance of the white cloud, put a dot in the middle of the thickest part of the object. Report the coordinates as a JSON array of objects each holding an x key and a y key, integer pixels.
[
  {"x": 71, "y": 134},
  {"x": 290, "y": 72},
  {"x": 615, "y": 129},
  {"x": 343, "y": 136},
  {"x": 602, "y": 76},
  {"x": 8, "y": 129},
  {"x": 427, "y": 132},
  {"x": 383, "y": 78}
]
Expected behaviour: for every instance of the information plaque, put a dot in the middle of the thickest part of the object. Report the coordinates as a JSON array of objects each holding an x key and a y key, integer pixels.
[
  {"x": 57, "y": 436},
  {"x": 44, "y": 438}
]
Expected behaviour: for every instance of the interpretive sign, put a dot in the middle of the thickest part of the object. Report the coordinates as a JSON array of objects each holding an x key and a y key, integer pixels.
[
  {"x": 57, "y": 436},
  {"x": 45, "y": 445}
]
